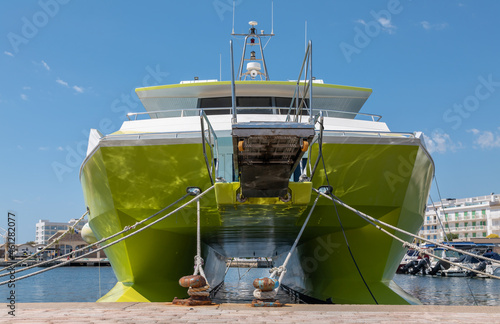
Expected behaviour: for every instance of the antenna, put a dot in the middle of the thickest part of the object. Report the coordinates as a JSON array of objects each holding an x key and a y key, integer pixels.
[
  {"x": 272, "y": 17},
  {"x": 233, "y": 17},
  {"x": 305, "y": 37}
]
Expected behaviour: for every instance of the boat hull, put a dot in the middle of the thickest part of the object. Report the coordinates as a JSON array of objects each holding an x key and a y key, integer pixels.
[{"x": 128, "y": 182}]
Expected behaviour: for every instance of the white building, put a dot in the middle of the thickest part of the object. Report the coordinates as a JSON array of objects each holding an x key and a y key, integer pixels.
[
  {"x": 45, "y": 229},
  {"x": 470, "y": 218}
]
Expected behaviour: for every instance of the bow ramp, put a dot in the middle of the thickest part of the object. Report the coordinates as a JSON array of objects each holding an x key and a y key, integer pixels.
[{"x": 267, "y": 153}]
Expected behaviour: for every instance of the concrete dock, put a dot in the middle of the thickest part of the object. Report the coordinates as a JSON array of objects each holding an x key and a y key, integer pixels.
[{"x": 76, "y": 313}]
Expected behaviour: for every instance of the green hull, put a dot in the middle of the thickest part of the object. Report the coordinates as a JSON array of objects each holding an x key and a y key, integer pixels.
[{"x": 124, "y": 184}]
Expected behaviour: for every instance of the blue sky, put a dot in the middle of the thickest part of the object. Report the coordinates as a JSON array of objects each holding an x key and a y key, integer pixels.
[{"x": 68, "y": 66}]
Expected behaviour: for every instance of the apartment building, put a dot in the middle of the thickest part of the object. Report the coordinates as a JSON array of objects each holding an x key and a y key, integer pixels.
[
  {"x": 45, "y": 229},
  {"x": 469, "y": 218}
]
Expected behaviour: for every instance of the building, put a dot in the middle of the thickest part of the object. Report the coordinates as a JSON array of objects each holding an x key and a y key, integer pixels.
[
  {"x": 469, "y": 218},
  {"x": 69, "y": 243},
  {"x": 20, "y": 250},
  {"x": 45, "y": 229}
]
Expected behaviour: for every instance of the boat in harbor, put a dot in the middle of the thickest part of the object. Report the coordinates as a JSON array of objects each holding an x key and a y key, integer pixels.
[{"x": 264, "y": 146}]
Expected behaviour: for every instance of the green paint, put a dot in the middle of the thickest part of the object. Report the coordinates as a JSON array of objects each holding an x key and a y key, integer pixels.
[{"x": 125, "y": 184}]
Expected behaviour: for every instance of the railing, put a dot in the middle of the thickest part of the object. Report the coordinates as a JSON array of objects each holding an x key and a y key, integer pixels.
[
  {"x": 300, "y": 101},
  {"x": 368, "y": 133},
  {"x": 467, "y": 228},
  {"x": 190, "y": 112},
  {"x": 208, "y": 137}
]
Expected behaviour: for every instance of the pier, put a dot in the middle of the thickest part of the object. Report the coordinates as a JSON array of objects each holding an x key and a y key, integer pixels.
[
  {"x": 250, "y": 263},
  {"x": 53, "y": 313},
  {"x": 86, "y": 262}
]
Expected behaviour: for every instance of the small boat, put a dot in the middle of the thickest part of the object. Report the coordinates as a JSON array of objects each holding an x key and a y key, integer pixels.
[{"x": 466, "y": 261}]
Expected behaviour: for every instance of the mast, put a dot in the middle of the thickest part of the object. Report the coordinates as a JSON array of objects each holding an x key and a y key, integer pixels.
[{"x": 256, "y": 65}]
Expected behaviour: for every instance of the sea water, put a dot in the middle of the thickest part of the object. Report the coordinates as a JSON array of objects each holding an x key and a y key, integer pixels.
[{"x": 87, "y": 284}]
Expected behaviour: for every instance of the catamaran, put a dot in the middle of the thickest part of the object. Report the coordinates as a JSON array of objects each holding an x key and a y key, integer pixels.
[{"x": 261, "y": 152}]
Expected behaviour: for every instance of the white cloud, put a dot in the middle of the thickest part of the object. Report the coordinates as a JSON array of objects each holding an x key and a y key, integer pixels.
[
  {"x": 425, "y": 24},
  {"x": 485, "y": 139},
  {"x": 441, "y": 142},
  {"x": 24, "y": 97},
  {"x": 428, "y": 26},
  {"x": 60, "y": 148},
  {"x": 26, "y": 88},
  {"x": 8, "y": 53},
  {"x": 45, "y": 65},
  {"x": 61, "y": 82},
  {"x": 385, "y": 24},
  {"x": 43, "y": 148},
  {"x": 78, "y": 89}
]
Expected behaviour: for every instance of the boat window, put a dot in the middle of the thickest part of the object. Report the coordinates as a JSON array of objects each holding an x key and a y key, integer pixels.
[
  {"x": 286, "y": 102},
  {"x": 248, "y": 105},
  {"x": 254, "y": 105},
  {"x": 210, "y": 105}
]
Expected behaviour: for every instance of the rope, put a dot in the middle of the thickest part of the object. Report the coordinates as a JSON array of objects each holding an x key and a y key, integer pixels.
[
  {"x": 281, "y": 270},
  {"x": 112, "y": 243},
  {"x": 370, "y": 220},
  {"x": 70, "y": 229},
  {"x": 367, "y": 217},
  {"x": 201, "y": 291},
  {"x": 125, "y": 229},
  {"x": 198, "y": 261}
]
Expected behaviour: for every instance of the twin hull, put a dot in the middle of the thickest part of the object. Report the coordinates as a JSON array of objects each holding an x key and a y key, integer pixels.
[{"x": 388, "y": 178}]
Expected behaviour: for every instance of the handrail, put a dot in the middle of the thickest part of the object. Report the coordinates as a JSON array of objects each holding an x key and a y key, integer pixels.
[
  {"x": 368, "y": 133},
  {"x": 233, "y": 90},
  {"x": 276, "y": 111},
  {"x": 307, "y": 63},
  {"x": 326, "y": 133},
  {"x": 214, "y": 163}
]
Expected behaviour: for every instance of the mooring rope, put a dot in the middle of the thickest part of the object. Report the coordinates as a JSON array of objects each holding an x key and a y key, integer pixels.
[
  {"x": 70, "y": 229},
  {"x": 281, "y": 270},
  {"x": 370, "y": 220},
  {"x": 112, "y": 243},
  {"x": 198, "y": 260},
  {"x": 125, "y": 229}
]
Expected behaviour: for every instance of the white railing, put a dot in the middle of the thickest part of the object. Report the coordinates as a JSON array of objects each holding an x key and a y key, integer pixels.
[{"x": 190, "y": 112}]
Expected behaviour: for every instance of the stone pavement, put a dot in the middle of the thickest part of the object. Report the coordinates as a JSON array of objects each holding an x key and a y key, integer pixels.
[{"x": 76, "y": 313}]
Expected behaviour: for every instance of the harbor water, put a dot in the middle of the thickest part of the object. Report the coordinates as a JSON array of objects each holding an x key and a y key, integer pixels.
[{"x": 87, "y": 284}]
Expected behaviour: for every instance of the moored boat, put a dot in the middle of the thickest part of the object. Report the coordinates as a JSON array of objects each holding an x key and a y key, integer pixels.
[{"x": 264, "y": 146}]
